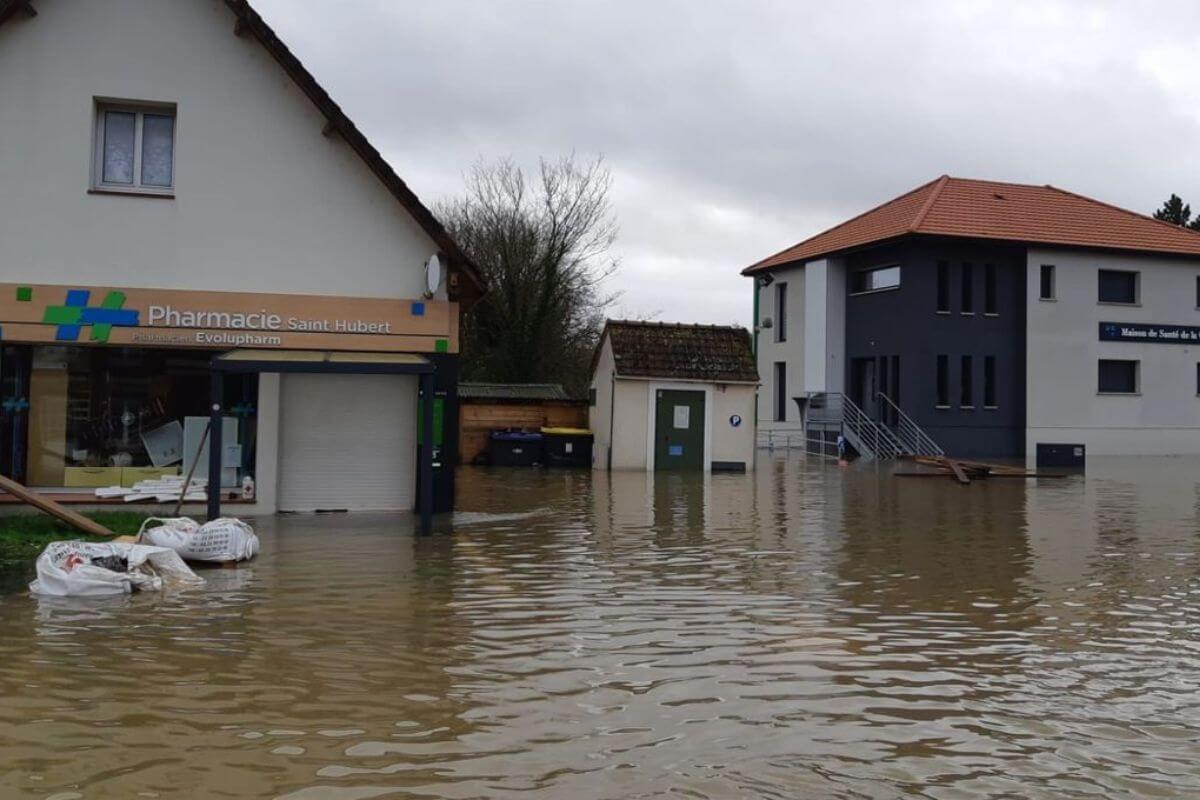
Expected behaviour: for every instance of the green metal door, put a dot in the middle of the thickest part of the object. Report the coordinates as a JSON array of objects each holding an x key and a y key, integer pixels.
[{"x": 679, "y": 430}]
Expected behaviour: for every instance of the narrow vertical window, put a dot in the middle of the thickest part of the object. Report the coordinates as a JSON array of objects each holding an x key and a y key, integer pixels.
[
  {"x": 1047, "y": 282},
  {"x": 968, "y": 289},
  {"x": 1198, "y": 291},
  {"x": 967, "y": 396},
  {"x": 895, "y": 390},
  {"x": 989, "y": 289},
  {"x": 989, "y": 381},
  {"x": 943, "y": 287},
  {"x": 943, "y": 381},
  {"x": 780, "y": 391},
  {"x": 781, "y": 312}
]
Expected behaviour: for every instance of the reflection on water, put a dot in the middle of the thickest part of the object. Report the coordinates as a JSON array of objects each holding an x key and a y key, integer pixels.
[{"x": 802, "y": 632}]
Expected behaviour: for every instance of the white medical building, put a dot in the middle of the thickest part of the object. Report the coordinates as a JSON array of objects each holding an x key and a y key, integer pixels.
[
  {"x": 187, "y": 216},
  {"x": 995, "y": 316}
]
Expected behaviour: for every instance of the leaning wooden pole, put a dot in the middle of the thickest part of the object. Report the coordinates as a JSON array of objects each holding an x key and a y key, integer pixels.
[
  {"x": 187, "y": 482},
  {"x": 45, "y": 504}
]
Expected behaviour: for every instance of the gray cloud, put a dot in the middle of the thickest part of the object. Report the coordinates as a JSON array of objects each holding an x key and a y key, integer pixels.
[{"x": 735, "y": 129}]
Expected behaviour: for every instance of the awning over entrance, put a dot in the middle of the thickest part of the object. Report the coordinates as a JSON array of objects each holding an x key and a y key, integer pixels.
[{"x": 332, "y": 362}]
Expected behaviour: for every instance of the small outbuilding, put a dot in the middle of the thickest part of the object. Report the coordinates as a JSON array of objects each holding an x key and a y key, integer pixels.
[{"x": 673, "y": 397}]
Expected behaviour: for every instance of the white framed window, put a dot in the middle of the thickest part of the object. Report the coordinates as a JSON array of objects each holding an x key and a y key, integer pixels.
[
  {"x": 134, "y": 148},
  {"x": 876, "y": 279}
]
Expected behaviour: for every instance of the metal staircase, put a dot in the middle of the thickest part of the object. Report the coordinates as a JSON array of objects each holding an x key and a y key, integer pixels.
[
  {"x": 915, "y": 440},
  {"x": 873, "y": 439}
]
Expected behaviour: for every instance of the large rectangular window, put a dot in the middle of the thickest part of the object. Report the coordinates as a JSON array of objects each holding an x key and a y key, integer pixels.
[
  {"x": 989, "y": 381},
  {"x": 1047, "y": 288},
  {"x": 989, "y": 289},
  {"x": 134, "y": 148},
  {"x": 943, "y": 381},
  {"x": 780, "y": 391},
  {"x": 968, "y": 288},
  {"x": 875, "y": 280},
  {"x": 943, "y": 287},
  {"x": 781, "y": 312},
  {"x": 967, "y": 395},
  {"x": 1117, "y": 377},
  {"x": 107, "y": 416},
  {"x": 1118, "y": 286}
]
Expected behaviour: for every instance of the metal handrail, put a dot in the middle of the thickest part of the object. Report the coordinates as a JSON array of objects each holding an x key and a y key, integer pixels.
[
  {"x": 912, "y": 435},
  {"x": 882, "y": 442}
]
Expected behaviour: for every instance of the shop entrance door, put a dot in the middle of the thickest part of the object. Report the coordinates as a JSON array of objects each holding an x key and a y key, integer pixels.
[
  {"x": 347, "y": 442},
  {"x": 679, "y": 430}
]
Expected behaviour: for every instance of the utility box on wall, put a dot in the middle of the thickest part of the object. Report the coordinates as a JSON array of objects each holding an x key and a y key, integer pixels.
[{"x": 1061, "y": 456}]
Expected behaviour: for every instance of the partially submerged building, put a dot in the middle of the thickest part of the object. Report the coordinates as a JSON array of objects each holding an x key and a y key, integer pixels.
[
  {"x": 189, "y": 220},
  {"x": 985, "y": 318},
  {"x": 673, "y": 397}
]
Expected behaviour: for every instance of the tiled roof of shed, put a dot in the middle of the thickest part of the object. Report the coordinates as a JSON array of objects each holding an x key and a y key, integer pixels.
[
  {"x": 512, "y": 391},
  {"x": 993, "y": 210},
  {"x": 718, "y": 353}
]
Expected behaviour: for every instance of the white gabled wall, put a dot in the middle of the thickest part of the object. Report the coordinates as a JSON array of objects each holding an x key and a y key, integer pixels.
[
  {"x": 1064, "y": 349},
  {"x": 600, "y": 412},
  {"x": 264, "y": 202}
]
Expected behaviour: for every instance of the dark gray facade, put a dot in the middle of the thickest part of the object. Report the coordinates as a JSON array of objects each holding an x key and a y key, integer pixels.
[{"x": 894, "y": 337}]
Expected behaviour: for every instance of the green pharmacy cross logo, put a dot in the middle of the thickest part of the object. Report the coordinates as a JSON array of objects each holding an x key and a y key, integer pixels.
[{"x": 75, "y": 313}]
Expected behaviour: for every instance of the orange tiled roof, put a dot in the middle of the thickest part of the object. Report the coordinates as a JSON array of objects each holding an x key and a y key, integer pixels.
[{"x": 1001, "y": 211}]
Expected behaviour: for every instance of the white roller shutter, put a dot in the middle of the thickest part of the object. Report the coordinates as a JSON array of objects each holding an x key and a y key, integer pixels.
[{"x": 347, "y": 442}]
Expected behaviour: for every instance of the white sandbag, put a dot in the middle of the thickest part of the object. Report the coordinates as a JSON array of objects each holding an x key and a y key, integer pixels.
[
  {"x": 221, "y": 540},
  {"x": 67, "y": 569}
]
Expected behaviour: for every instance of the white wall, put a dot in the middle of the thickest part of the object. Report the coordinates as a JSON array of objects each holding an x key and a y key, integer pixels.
[
  {"x": 790, "y": 351},
  {"x": 1063, "y": 350},
  {"x": 730, "y": 443},
  {"x": 825, "y": 325},
  {"x": 264, "y": 202},
  {"x": 600, "y": 414},
  {"x": 630, "y": 431}
]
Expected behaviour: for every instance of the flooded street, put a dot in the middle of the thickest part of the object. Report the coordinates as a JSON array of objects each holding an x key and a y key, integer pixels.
[{"x": 802, "y": 632}]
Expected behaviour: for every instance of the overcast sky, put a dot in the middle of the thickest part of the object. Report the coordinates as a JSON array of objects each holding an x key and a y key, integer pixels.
[{"x": 734, "y": 129}]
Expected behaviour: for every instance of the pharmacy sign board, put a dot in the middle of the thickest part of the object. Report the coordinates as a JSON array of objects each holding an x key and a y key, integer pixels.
[{"x": 131, "y": 317}]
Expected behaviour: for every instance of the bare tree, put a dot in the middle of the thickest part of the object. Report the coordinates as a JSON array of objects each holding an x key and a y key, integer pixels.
[{"x": 543, "y": 245}]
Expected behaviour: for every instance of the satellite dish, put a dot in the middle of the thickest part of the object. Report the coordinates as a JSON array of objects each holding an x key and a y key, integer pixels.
[{"x": 433, "y": 275}]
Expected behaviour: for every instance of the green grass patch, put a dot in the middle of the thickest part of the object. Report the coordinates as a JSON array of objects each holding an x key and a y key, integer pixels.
[{"x": 23, "y": 537}]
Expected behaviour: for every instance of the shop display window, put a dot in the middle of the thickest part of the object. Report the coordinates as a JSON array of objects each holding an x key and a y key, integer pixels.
[{"x": 106, "y": 416}]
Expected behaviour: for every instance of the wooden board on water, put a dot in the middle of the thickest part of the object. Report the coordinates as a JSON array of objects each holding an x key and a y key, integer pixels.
[{"x": 45, "y": 504}]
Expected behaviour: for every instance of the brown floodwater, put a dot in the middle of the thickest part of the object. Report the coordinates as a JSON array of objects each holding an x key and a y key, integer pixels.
[{"x": 802, "y": 632}]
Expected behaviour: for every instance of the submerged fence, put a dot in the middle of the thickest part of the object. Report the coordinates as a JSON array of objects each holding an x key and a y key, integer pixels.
[{"x": 810, "y": 443}]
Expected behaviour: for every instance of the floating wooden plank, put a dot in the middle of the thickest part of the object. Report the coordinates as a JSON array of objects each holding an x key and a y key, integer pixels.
[
  {"x": 966, "y": 471},
  {"x": 48, "y": 506},
  {"x": 957, "y": 469}
]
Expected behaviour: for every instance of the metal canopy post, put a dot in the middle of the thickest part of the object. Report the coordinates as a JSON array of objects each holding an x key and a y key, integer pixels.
[
  {"x": 215, "y": 449},
  {"x": 426, "y": 477}
]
